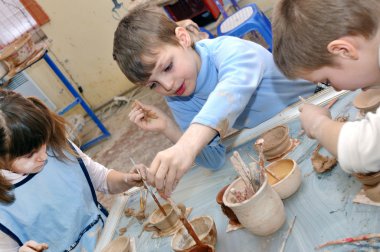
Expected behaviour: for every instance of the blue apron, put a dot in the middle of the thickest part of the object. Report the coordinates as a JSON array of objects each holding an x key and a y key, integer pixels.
[{"x": 57, "y": 206}]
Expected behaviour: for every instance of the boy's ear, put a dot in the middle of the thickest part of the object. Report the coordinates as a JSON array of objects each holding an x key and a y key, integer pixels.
[
  {"x": 183, "y": 36},
  {"x": 344, "y": 48}
]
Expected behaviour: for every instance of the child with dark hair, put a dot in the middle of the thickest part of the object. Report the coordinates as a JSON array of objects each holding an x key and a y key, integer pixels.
[
  {"x": 335, "y": 42},
  {"x": 211, "y": 86},
  {"x": 47, "y": 185}
]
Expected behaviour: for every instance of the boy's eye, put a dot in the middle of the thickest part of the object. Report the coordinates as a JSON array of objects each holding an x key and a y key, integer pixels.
[
  {"x": 169, "y": 67},
  {"x": 153, "y": 85}
]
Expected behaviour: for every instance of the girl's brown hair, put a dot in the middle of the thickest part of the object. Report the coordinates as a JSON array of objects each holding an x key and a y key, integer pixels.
[
  {"x": 302, "y": 29},
  {"x": 25, "y": 125},
  {"x": 139, "y": 34}
]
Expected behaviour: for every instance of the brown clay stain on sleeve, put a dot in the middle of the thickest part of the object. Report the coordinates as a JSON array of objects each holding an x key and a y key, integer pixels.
[{"x": 222, "y": 127}]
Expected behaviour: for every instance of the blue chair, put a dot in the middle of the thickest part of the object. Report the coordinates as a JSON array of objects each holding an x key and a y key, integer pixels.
[{"x": 247, "y": 19}]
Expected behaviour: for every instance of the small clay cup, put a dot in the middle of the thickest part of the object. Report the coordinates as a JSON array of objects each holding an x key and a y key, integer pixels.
[
  {"x": 289, "y": 174},
  {"x": 276, "y": 142},
  {"x": 204, "y": 227},
  {"x": 121, "y": 244},
  {"x": 225, "y": 209},
  {"x": 367, "y": 101},
  {"x": 262, "y": 214},
  {"x": 157, "y": 221},
  {"x": 369, "y": 179}
]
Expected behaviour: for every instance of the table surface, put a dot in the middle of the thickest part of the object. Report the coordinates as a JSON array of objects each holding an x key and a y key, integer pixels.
[{"x": 323, "y": 204}]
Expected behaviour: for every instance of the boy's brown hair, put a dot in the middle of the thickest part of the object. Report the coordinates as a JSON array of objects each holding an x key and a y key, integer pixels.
[
  {"x": 138, "y": 36},
  {"x": 302, "y": 30}
]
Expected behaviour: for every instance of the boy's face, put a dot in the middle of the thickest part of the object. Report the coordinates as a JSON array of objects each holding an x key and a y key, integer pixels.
[
  {"x": 356, "y": 64},
  {"x": 363, "y": 76},
  {"x": 176, "y": 70}
]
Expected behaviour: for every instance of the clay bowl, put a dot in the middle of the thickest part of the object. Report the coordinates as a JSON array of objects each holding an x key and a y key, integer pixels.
[
  {"x": 18, "y": 51},
  {"x": 276, "y": 142},
  {"x": 204, "y": 227},
  {"x": 121, "y": 244},
  {"x": 289, "y": 174},
  {"x": 157, "y": 221},
  {"x": 367, "y": 101},
  {"x": 369, "y": 179},
  {"x": 225, "y": 209}
]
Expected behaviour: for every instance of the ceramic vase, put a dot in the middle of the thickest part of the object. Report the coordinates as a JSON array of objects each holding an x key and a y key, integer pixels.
[{"x": 262, "y": 214}]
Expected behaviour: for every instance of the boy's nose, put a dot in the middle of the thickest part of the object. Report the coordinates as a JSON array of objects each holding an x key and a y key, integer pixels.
[{"x": 167, "y": 84}]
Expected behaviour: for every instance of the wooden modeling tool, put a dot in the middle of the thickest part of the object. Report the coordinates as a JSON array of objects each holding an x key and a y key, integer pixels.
[
  {"x": 149, "y": 190},
  {"x": 266, "y": 170},
  {"x": 199, "y": 244}
]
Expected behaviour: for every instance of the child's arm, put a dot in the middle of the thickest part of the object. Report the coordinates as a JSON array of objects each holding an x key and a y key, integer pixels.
[
  {"x": 159, "y": 122},
  {"x": 171, "y": 164},
  {"x": 317, "y": 123},
  {"x": 358, "y": 145}
]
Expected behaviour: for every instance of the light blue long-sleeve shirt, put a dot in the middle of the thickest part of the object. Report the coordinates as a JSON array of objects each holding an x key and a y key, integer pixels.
[{"x": 238, "y": 86}]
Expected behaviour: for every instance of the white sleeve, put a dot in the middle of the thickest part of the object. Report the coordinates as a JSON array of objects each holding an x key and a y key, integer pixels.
[
  {"x": 7, "y": 244},
  {"x": 98, "y": 173},
  {"x": 359, "y": 145}
]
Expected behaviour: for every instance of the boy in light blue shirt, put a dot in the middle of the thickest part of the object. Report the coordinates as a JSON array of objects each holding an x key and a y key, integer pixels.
[{"x": 210, "y": 86}]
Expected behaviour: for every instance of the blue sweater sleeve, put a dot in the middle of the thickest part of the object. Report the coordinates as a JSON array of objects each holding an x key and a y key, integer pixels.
[
  {"x": 212, "y": 155},
  {"x": 240, "y": 67}
]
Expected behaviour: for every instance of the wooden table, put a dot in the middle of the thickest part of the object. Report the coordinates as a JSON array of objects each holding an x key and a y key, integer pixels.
[{"x": 323, "y": 204}]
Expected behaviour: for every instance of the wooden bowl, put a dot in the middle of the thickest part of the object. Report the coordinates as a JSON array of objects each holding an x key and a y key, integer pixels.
[
  {"x": 276, "y": 142},
  {"x": 367, "y": 101},
  {"x": 204, "y": 227},
  {"x": 289, "y": 174}
]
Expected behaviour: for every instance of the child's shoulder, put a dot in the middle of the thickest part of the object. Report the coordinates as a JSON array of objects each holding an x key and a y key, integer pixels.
[{"x": 227, "y": 43}]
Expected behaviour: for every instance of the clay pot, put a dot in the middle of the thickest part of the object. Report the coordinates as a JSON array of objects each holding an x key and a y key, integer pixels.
[
  {"x": 225, "y": 209},
  {"x": 367, "y": 101},
  {"x": 262, "y": 214},
  {"x": 276, "y": 142},
  {"x": 204, "y": 227},
  {"x": 121, "y": 244},
  {"x": 369, "y": 179},
  {"x": 157, "y": 221},
  {"x": 18, "y": 51},
  {"x": 289, "y": 174}
]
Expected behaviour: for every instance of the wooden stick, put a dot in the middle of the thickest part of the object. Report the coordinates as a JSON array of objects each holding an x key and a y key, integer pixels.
[
  {"x": 187, "y": 225},
  {"x": 150, "y": 190},
  {"x": 267, "y": 170},
  {"x": 282, "y": 249},
  {"x": 349, "y": 240},
  {"x": 331, "y": 103}
]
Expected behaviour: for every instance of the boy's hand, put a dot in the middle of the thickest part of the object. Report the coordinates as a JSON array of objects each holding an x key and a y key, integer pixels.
[
  {"x": 148, "y": 117},
  {"x": 168, "y": 167},
  {"x": 311, "y": 117},
  {"x": 33, "y": 246}
]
